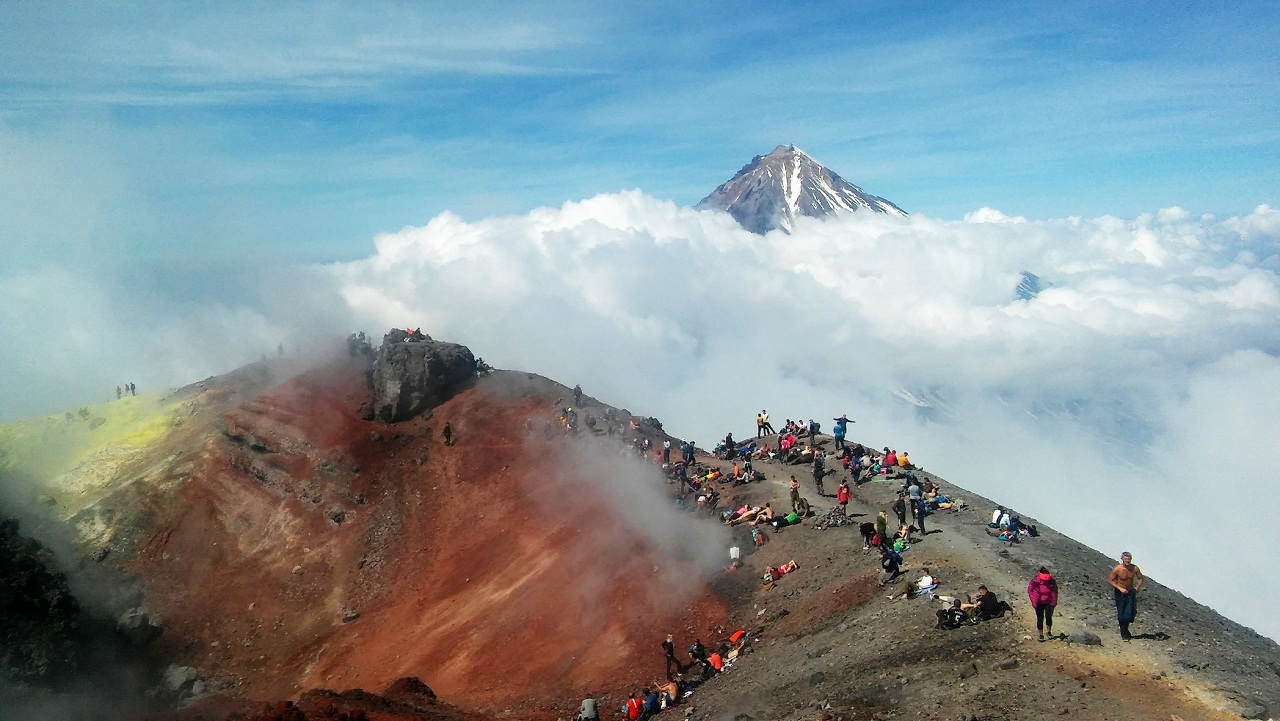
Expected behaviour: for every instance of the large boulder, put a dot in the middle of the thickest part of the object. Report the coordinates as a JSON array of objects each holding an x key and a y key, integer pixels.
[{"x": 413, "y": 374}]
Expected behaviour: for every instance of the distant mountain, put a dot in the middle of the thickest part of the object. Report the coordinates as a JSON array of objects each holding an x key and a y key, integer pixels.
[
  {"x": 1030, "y": 286},
  {"x": 773, "y": 190}
]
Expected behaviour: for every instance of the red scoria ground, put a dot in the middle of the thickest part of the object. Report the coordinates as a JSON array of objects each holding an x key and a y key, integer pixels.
[{"x": 491, "y": 570}]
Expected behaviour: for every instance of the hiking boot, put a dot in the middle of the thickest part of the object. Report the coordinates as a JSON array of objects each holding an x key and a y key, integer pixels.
[{"x": 1041, "y": 637}]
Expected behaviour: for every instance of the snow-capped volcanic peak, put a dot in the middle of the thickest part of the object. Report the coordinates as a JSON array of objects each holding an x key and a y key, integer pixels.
[{"x": 772, "y": 190}]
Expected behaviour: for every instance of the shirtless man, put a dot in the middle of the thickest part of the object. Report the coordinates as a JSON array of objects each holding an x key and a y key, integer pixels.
[{"x": 1126, "y": 579}]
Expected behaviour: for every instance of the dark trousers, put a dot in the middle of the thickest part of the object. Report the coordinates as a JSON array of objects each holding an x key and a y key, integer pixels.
[
  {"x": 1126, "y": 609},
  {"x": 1044, "y": 617},
  {"x": 920, "y": 518}
]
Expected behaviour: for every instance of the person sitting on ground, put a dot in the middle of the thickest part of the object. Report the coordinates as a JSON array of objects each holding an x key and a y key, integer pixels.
[
  {"x": 890, "y": 458},
  {"x": 903, "y": 462},
  {"x": 952, "y": 617},
  {"x": 985, "y": 605},
  {"x": 670, "y": 691},
  {"x": 803, "y": 509},
  {"x": 922, "y": 586},
  {"x": 587, "y": 710},
  {"x": 765, "y": 515},
  {"x": 715, "y": 661},
  {"x": 652, "y": 705}
]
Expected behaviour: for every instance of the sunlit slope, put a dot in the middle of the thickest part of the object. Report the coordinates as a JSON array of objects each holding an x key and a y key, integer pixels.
[{"x": 70, "y": 462}]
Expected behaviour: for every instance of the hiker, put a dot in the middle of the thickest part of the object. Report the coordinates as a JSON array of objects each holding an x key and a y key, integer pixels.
[
  {"x": 953, "y": 617},
  {"x": 868, "y": 531},
  {"x": 697, "y": 652},
  {"x": 587, "y": 710},
  {"x": 633, "y": 707},
  {"x": 838, "y": 431},
  {"x": 765, "y": 515},
  {"x": 987, "y": 606},
  {"x": 1126, "y": 579},
  {"x": 891, "y": 564},
  {"x": 670, "y": 692},
  {"x": 922, "y": 586},
  {"x": 652, "y": 706},
  {"x": 1042, "y": 591},
  {"x": 133, "y": 390},
  {"x": 577, "y": 395},
  {"x": 117, "y": 392},
  {"x": 819, "y": 470},
  {"x": 682, "y": 478},
  {"x": 669, "y": 649},
  {"x": 900, "y": 509},
  {"x": 921, "y": 511},
  {"x": 842, "y": 496},
  {"x": 447, "y": 433},
  {"x": 813, "y": 431},
  {"x": 666, "y": 452},
  {"x": 760, "y": 424},
  {"x": 795, "y": 493},
  {"x": 882, "y": 527},
  {"x": 765, "y": 425}
]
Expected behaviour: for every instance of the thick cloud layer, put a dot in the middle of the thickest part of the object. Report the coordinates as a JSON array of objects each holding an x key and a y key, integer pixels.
[{"x": 1118, "y": 405}]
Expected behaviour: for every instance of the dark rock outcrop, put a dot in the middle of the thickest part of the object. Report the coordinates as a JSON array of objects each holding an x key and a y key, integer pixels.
[{"x": 411, "y": 376}]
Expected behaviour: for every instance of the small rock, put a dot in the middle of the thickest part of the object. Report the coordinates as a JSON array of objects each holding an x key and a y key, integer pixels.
[
  {"x": 1005, "y": 665},
  {"x": 1254, "y": 711},
  {"x": 102, "y": 553},
  {"x": 1086, "y": 638},
  {"x": 349, "y": 615},
  {"x": 296, "y": 570},
  {"x": 817, "y": 678}
]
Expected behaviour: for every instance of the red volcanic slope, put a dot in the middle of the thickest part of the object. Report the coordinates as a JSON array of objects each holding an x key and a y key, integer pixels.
[{"x": 492, "y": 570}]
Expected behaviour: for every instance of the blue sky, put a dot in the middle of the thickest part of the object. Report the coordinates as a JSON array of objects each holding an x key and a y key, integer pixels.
[{"x": 199, "y": 133}]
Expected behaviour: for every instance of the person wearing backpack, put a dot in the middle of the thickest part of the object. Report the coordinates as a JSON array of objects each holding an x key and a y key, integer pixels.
[{"x": 1042, "y": 591}]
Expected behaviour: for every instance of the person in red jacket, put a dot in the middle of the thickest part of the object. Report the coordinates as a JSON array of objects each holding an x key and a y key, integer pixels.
[
  {"x": 633, "y": 707},
  {"x": 1042, "y": 591},
  {"x": 842, "y": 496}
]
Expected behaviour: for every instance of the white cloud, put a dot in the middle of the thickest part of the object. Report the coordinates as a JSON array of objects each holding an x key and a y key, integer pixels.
[{"x": 1099, "y": 383}]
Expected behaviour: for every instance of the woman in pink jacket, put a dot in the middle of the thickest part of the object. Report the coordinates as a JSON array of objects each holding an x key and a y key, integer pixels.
[{"x": 1043, "y": 594}]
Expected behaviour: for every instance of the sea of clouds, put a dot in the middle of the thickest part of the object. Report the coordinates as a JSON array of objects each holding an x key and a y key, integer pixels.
[{"x": 1133, "y": 404}]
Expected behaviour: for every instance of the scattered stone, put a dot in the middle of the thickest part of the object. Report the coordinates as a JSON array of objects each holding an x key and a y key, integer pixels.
[
  {"x": 1005, "y": 665},
  {"x": 137, "y": 625},
  {"x": 968, "y": 670},
  {"x": 1254, "y": 711},
  {"x": 1085, "y": 638},
  {"x": 817, "y": 678},
  {"x": 102, "y": 553},
  {"x": 349, "y": 615}
]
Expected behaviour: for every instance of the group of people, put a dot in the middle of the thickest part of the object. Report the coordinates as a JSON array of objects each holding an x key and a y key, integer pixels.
[{"x": 128, "y": 389}]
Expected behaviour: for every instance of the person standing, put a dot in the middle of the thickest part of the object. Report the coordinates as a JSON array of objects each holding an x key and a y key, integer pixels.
[
  {"x": 819, "y": 470},
  {"x": 795, "y": 493},
  {"x": 760, "y": 424},
  {"x": 842, "y": 497},
  {"x": 448, "y": 434},
  {"x": 666, "y": 452},
  {"x": 1042, "y": 591},
  {"x": 117, "y": 392},
  {"x": 669, "y": 648},
  {"x": 1126, "y": 579},
  {"x": 765, "y": 425}
]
